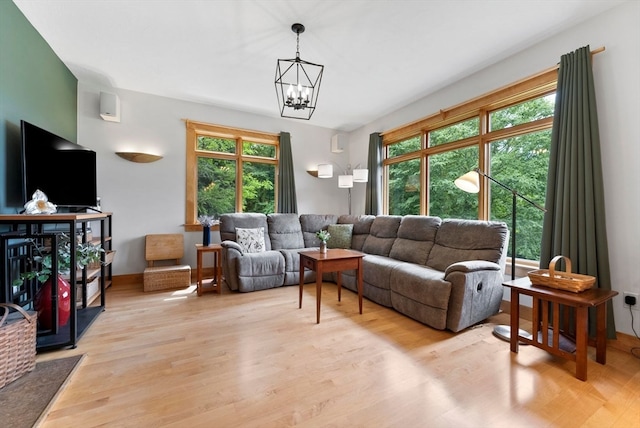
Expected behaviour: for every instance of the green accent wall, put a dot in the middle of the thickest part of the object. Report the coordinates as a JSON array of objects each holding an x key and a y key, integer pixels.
[{"x": 36, "y": 86}]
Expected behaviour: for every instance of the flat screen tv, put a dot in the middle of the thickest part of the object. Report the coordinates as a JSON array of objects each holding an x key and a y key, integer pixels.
[{"x": 64, "y": 171}]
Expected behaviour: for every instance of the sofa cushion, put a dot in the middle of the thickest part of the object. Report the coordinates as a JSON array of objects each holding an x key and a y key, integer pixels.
[
  {"x": 416, "y": 235},
  {"x": 361, "y": 227},
  {"x": 382, "y": 235},
  {"x": 285, "y": 231},
  {"x": 251, "y": 240},
  {"x": 229, "y": 222},
  {"x": 340, "y": 235},
  {"x": 311, "y": 223},
  {"x": 461, "y": 240}
]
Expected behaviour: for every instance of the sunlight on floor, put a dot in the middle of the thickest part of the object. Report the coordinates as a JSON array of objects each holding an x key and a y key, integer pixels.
[{"x": 181, "y": 294}]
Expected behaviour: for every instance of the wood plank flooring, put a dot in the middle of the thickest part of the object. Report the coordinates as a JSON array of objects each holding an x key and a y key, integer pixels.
[{"x": 172, "y": 359}]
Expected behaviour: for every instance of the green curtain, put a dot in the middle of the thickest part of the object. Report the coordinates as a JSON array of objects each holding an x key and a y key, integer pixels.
[
  {"x": 287, "y": 202},
  {"x": 574, "y": 224},
  {"x": 373, "y": 199}
]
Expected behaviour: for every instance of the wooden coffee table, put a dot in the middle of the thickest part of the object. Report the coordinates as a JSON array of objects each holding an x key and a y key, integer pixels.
[
  {"x": 334, "y": 260},
  {"x": 547, "y": 300}
]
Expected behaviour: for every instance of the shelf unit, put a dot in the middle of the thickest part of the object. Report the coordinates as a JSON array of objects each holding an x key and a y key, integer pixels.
[{"x": 87, "y": 307}]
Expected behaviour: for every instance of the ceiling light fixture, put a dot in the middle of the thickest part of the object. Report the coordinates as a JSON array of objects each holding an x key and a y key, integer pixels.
[{"x": 297, "y": 83}]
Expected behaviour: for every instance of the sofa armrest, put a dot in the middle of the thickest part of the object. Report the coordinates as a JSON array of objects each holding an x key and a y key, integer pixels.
[
  {"x": 230, "y": 252},
  {"x": 232, "y": 245},
  {"x": 471, "y": 266},
  {"x": 476, "y": 293}
]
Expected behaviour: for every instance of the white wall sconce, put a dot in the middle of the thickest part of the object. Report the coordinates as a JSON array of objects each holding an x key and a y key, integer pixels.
[{"x": 139, "y": 157}]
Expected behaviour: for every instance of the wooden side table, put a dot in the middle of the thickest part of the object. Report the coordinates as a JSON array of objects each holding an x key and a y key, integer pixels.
[
  {"x": 334, "y": 260},
  {"x": 213, "y": 284},
  {"x": 546, "y": 299}
]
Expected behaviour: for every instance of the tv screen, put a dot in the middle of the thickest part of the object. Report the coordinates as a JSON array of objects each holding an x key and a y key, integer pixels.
[{"x": 64, "y": 171}]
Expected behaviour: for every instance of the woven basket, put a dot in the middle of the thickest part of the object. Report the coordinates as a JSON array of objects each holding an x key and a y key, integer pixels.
[
  {"x": 568, "y": 281},
  {"x": 166, "y": 277},
  {"x": 17, "y": 343}
]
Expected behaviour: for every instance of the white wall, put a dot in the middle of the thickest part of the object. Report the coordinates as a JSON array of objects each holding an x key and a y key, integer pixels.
[
  {"x": 149, "y": 198},
  {"x": 617, "y": 81}
]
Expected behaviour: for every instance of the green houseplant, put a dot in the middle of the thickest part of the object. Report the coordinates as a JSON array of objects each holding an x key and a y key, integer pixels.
[
  {"x": 42, "y": 261},
  {"x": 323, "y": 236}
]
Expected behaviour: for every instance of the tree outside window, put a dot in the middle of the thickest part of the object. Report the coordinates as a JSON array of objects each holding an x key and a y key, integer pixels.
[{"x": 229, "y": 170}]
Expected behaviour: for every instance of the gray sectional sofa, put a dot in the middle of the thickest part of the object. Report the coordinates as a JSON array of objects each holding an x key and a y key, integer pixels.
[{"x": 447, "y": 274}]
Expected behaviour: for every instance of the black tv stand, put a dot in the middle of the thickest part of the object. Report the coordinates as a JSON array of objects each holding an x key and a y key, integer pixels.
[{"x": 88, "y": 285}]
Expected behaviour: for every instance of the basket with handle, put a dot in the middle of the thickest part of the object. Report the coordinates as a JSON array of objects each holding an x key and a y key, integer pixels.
[
  {"x": 17, "y": 343},
  {"x": 568, "y": 281}
]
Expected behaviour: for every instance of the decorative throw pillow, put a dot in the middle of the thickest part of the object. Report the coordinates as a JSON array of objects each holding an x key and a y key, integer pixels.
[
  {"x": 340, "y": 235},
  {"x": 251, "y": 240}
]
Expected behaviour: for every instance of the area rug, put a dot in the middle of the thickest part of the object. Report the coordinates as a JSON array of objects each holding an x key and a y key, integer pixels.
[{"x": 26, "y": 401}]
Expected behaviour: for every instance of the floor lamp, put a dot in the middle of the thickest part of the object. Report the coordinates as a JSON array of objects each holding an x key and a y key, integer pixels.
[{"x": 470, "y": 182}]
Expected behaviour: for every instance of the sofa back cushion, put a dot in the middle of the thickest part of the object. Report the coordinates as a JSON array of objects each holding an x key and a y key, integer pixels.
[
  {"x": 361, "y": 227},
  {"x": 311, "y": 223},
  {"x": 285, "y": 231},
  {"x": 229, "y": 222},
  {"x": 383, "y": 233},
  {"x": 461, "y": 240},
  {"x": 416, "y": 236}
]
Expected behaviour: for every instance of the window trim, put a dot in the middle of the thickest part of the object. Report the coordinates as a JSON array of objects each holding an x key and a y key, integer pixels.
[
  {"x": 529, "y": 88},
  {"x": 196, "y": 129}
]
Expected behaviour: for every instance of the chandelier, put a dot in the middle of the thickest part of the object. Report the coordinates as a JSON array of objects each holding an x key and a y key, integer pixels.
[{"x": 297, "y": 83}]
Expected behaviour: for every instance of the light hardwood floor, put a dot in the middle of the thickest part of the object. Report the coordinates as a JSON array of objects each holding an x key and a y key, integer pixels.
[{"x": 172, "y": 359}]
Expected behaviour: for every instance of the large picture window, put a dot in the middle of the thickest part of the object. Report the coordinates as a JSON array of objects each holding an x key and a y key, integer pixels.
[
  {"x": 229, "y": 170},
  {"x": 506, "y": 133}
]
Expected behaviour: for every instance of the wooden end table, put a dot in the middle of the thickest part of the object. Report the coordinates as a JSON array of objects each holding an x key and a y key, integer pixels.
[
  {"x": 334, "y": 260},
  {"x": 546, "y": 299},
  {"x": 209, "y": 284}
]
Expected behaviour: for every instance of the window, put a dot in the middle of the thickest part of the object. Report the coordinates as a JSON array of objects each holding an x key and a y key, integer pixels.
[
  {"x": 229, "y": 170},
  {"x": 506, "y": 133}
]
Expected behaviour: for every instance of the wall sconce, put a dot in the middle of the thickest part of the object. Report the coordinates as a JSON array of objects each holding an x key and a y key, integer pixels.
[
  {"x": 345, "y": 180},
  {"x": 139, "y": 157}
]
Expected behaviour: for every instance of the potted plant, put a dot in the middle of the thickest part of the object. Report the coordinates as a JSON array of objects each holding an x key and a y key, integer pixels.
[
  {"x": 85, "y": 254},
  {"x": 323, "y": 236}
]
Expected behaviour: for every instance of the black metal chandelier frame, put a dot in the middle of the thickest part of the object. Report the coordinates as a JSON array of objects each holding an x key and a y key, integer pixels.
[{"x": 297, "y": 83}]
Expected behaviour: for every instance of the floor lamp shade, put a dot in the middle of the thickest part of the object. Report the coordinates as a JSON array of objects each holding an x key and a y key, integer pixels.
[
  {"x": 360, "y": 175},
  {"x": 469, "y": 182},
  {"x": 345, "y": 181}
]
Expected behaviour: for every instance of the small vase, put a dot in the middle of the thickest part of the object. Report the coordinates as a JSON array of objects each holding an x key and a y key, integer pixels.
[
  {"x": 206, "y": 236},
  {"x": 43, "y": 303},
  {"x": 323, "y": 247}
]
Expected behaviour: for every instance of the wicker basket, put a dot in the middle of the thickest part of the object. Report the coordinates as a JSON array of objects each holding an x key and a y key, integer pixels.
[
  {"x": 166, "y": 277},
  {"x": 17, "y": 343},
  {"x": 568, "y": 281}
]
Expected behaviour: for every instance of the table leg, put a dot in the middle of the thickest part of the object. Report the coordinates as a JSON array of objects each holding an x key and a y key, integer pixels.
[
  {"x": 359, "y": 274},
  {"x": 199, "y": 274},
  {"x": 318, "y": 291},
  {"x": 581, "y": 342},
  {"x": 515, "y": 319},
  {"x": 301, "y": 283},
  {"x": 339, "y": 286},
  {"x": 601, "y": 333},
  {"x": 216, "y": 273}
]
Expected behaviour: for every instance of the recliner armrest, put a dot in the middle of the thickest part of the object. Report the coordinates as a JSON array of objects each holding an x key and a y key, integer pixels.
[
  {"x": 232, "y": 245},
  {"x": 471, "y": 266}
]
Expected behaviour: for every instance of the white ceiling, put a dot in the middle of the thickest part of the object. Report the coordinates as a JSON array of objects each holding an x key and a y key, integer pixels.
[{"x": 378, "y": 55}]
